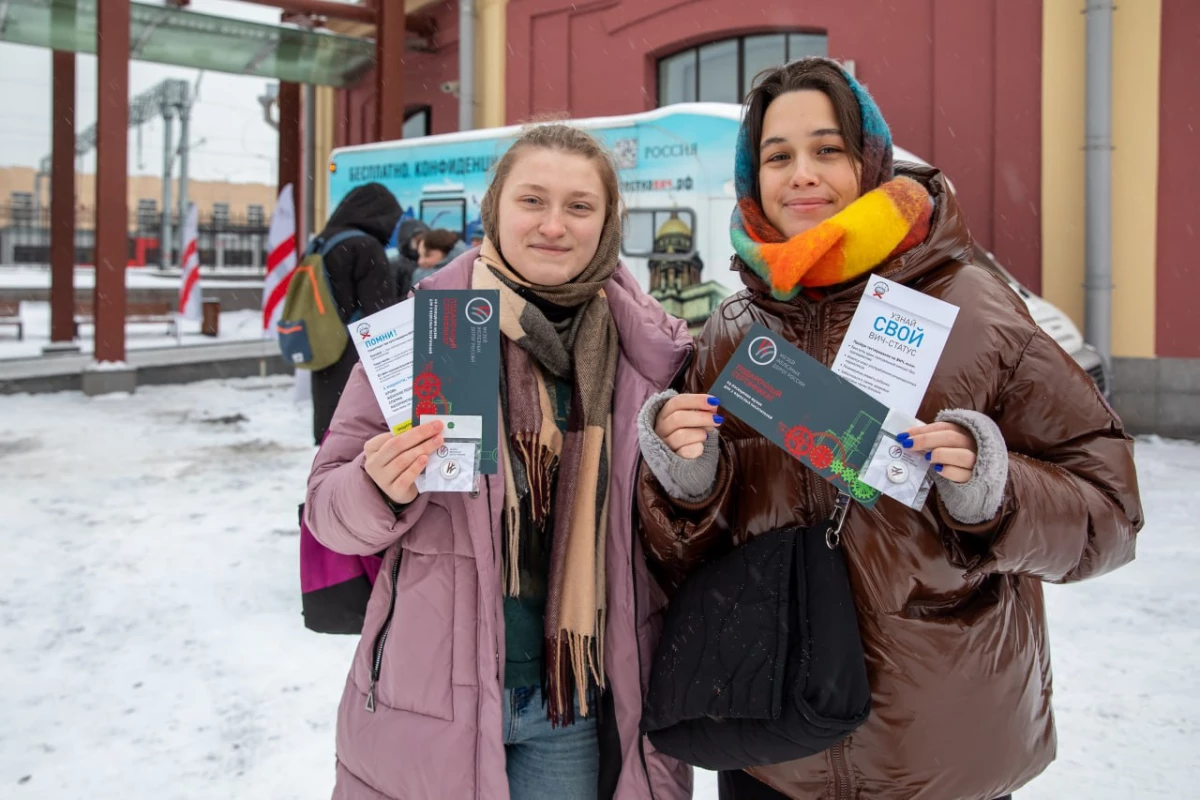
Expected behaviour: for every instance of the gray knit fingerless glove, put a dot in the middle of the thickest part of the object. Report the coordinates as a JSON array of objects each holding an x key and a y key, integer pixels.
[
  {"x": 687, "y": 479},
  {"x": 977, "y": 500}
]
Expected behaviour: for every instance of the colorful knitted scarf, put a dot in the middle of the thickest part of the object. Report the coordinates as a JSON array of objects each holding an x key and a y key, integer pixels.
[
  {"x": 552, "y": 479},
  {"x": 890, "y": 217}
]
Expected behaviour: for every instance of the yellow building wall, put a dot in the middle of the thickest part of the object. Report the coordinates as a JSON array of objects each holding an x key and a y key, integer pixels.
[
  {"x": 1135, "y": 116},
  {"x": 323, "y": 144},
  {"x": 491, "y": 55},
  {"x": 1063, "y": 74},
  {"x": 239, "y": 196},
  {"x": 1137, "y": 50}
]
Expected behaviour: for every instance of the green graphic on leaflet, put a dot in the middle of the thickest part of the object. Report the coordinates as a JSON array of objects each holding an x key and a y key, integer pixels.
[
  {"x": 838, "y": 454},
  {"x": 820, "y": 419}
]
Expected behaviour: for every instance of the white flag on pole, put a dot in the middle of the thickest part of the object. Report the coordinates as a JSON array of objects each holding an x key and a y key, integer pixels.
[
  {"x": 281, "y": 259},
  {"x": 189, "y": 279}
]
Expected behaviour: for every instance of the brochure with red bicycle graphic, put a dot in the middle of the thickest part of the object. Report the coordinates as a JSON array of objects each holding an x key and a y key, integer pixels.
[
  {"x": 456, "y": 364},
  {"x": 821, "y": 419}
]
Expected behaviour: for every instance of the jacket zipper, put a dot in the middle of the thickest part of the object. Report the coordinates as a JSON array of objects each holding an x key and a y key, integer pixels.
[
  {"x": 841, "y": 771},
  {"x": 381, "y": 638},
  {"x": 819, "y": 354},
  {"x": 498, "y": 616},
  {"x": 837, "y": 754},
  {"x": 495, "y": 567}
]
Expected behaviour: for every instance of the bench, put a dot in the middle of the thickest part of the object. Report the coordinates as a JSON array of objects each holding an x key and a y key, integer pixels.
[
  {"x": 10, "y": 315},
  {"x": 143, "y": 313}
]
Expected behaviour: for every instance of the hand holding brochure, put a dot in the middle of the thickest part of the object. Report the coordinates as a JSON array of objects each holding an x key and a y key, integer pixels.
[
  {"x": 437, "y": 356},
  {"x": 821, "y": 419},
  {"x": 384, "y": 342},
  {"x": 890, "y": 351},
  {"x": 842, "y": 423}
]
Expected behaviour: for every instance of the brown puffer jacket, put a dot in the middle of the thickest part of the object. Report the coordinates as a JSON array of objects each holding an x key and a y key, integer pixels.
[{"x": 951, "y": 616}]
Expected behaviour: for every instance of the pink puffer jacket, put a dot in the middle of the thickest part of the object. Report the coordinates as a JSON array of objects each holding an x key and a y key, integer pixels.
[{"x": 434, "y": 629}]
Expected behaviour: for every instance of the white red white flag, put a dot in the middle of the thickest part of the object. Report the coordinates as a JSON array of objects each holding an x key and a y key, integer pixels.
[
  {"x": 189, "y": 280},
  {"x": 281, "y": 259}
]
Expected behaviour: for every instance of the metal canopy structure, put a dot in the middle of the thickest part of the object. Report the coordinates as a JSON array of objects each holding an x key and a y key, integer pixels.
[
  {"x": 118, "y": 31},
  {"x": 183, "y": 38}
]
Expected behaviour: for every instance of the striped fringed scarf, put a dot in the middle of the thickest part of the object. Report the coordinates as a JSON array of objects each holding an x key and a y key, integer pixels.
[
  {"x": 890, "y": 217},
  {"x": 533, "y": 450}
]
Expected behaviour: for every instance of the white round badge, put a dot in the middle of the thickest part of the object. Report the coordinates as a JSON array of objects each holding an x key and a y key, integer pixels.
[{"x": 897, "y": 472}]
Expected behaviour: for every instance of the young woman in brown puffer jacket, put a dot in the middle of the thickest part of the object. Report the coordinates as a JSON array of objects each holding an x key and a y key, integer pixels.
[{"x": 1035, "y": 482}]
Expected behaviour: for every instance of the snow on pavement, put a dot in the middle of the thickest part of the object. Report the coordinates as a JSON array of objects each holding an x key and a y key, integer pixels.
[{"x": 153, "y": 646}]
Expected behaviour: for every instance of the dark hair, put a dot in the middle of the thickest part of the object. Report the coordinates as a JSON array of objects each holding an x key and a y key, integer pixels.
[
  {"x": 817, "y": 74},
  {"x": 564, "y": 139},
  {"x": 440, "y": 239}
]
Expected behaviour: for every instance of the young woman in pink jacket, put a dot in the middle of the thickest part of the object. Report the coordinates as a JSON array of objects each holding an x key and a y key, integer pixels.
[{"x": 506, "y": 645}]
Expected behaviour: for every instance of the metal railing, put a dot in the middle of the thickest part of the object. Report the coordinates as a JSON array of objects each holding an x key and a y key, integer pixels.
[{"x": 227, "y": 242}]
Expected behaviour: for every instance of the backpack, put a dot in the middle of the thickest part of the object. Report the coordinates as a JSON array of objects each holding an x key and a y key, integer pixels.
[
  {"x": 311, "y": 333},
  {"x": 334, "y": 588}
]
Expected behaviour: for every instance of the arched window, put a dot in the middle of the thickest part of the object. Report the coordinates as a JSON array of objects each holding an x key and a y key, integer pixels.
[
  {"x": 416, "y": 123},
  {"x": 722, "y": 71}
]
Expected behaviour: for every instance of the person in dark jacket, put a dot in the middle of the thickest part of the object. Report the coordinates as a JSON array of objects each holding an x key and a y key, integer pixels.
[
  {"x": 408, "y": 240},
  {"x": 359, "y": 278},
  {"x": 1035, "y": 478},
  {"x": 438, "y": 248}
]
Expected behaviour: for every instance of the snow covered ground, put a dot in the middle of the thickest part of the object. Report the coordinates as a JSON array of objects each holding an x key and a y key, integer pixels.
[
  {"x": 234, "y": 326},
  {"x": 152, "y": 645}
]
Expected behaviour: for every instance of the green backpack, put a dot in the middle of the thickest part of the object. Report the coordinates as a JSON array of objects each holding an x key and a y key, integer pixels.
[{"x": 311, "y": 333}]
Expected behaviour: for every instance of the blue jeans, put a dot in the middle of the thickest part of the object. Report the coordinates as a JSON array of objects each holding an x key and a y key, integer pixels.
[{"x": 545, "y": 762}]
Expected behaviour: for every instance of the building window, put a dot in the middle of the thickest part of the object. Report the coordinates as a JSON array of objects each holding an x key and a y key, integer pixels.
[
  {"x": 147, "y": 215},
  {"x": 254, "y": 215},
  {"x": 22, "y": 207},
  {"x": 220, "y": 214},
  {"x": 724, "y": 71},
  {"x": 416, "y": 123}
]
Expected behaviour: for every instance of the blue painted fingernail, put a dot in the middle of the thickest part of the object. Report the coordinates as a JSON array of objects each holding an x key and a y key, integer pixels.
[
  {"x": 900, "y": 437},
  {"x": 712, "y": 401},
  {"x": 937, "y": 467},
  {"x": 718, "y": 419},
  {"x": 906, "y": 443},
  {"x": 929, "y": 456}
]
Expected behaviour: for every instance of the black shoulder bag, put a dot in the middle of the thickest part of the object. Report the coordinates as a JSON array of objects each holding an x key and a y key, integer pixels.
[{"x": 760, "y": 659}]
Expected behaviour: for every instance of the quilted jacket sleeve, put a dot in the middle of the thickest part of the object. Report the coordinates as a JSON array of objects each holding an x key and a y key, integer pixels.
[
  {"x": 345, "y": 509},
  {"x": 1071, "y": 508},
  {"x": 679, "y": 534}
]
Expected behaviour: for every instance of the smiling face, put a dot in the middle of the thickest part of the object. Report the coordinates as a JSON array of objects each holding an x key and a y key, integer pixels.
[
  {"x": 805, "y": 174},
  {"x": 550, "y": 215}
]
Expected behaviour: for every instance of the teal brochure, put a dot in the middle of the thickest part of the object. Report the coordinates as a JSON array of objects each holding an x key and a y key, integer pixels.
[
  {"x": 823, "y": 421},
  {"x": 456, "y": 360}
]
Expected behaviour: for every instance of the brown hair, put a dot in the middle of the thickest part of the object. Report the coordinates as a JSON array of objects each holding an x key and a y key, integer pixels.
[
  {"x": 440, "y": 239},
  {"x": 818, "y": 74},
  {"x": 564, "y": 139}
]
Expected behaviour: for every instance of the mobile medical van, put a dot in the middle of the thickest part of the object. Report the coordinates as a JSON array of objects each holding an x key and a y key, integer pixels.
[{"x": 676, "y": 170}]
